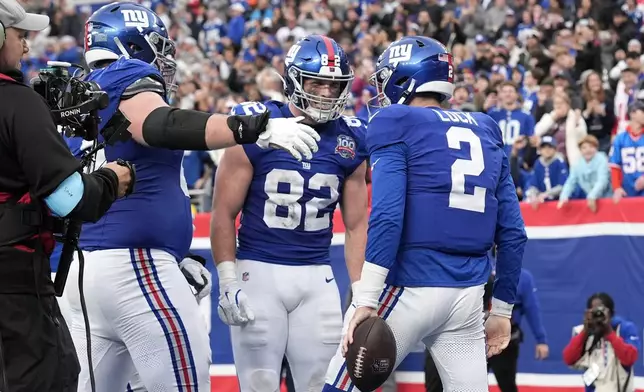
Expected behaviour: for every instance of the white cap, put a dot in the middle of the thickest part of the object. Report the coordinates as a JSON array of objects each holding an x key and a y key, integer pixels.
[{"x": 13, "y": 15}]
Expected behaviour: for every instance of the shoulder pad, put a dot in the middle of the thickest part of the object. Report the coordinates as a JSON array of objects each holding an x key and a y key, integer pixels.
[
  {"x": 489, "y": 123},
  {"x": 386, "y": 127},
  {"x": 147, "y": 83},
  {"x": 353, "y": 122},
  {"x": 526, "y": 111},
  {"x": 248, "y": 108}
]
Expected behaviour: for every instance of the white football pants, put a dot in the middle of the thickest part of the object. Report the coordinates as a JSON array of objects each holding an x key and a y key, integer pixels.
[
  {"x": 144, "y": 322},
  {"x": 298, "y": 314},
  {"x": 449, "y": 321}
]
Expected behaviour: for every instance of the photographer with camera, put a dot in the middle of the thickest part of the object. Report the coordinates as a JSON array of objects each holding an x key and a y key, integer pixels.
[
  {"x": 40, "y": 181},
  {"x": 604, "y": 347}
]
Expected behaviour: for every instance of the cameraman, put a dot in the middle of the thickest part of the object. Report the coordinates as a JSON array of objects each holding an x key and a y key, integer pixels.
[
  {"x": 39, "y": 179},
  {"x": 605, "y": 347}
]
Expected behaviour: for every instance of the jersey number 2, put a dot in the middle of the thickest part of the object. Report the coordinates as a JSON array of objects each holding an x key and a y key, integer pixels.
[
  {"x": 466, "y": 167},
  {"x": 290, "y": 200}
]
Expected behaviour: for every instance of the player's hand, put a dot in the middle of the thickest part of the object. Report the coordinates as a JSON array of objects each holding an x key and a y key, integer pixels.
[
  {"x": 290, "y": 135},
  {"x": 194, "y": 269},
  {"x": 361, "y": 314},
  {"x": 124, "y": 175},
  {"x": 618, "y": 194},
  {"x": 542, "y": 351},
  {"x": 497, "y": 331},
  {"x": 234, "y": 308}
]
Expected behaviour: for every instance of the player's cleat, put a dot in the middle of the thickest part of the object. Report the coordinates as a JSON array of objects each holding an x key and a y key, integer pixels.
[{"x": 372, "y": 355}]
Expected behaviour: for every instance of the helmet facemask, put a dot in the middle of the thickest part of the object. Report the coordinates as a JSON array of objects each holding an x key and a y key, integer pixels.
[
  {"x": 319, "y": 108},
  {"x": 164, "y": 50},
  {"x": 379, "y": 80}
]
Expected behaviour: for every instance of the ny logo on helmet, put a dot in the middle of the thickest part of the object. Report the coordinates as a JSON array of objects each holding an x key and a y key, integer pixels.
[
  {"x": 399, "y": 53},
  {"x": 135, "y": 18}
]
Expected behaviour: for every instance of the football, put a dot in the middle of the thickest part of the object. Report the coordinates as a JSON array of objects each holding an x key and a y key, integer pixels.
[{"x": 372, "y": 355}]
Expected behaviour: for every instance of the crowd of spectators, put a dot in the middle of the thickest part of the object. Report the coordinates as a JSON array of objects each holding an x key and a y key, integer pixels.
[{"x": 575, "y": 68}]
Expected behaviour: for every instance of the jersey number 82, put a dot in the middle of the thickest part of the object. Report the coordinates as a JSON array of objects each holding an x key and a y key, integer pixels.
[{"x": 291, "y": 200}]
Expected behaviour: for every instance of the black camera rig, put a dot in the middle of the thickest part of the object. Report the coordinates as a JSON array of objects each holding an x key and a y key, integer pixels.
[{"x": 75, "y": 105}]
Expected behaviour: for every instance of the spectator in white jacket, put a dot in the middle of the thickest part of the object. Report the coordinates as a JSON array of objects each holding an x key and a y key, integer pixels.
[{"x": 565, "y": 125}]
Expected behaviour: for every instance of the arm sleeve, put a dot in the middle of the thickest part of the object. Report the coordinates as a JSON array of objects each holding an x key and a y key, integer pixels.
[
  {"x": 575, "y": 348},
  {"x": 569, "y": 185},
  {"x": 625, "y": 346},
  {"x": 602, "y": 178},
  {"x": 510, "y": 238},
  {"x": 389, "y": 179},
  {"x": 42, "y": 154},
  {"x": 532, "y": 309}
]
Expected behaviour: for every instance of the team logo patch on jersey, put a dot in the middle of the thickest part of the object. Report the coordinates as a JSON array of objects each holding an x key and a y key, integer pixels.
[{"x": 346, "y": 147}]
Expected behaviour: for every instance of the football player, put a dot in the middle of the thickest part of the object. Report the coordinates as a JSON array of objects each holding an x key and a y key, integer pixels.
[
  {"x": 442, "y": 196},
  {"x": 144, "y": 319},
  {"x": 277, "y": 290}
]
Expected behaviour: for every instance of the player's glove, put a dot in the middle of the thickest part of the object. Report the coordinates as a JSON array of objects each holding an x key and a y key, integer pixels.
[
  {"x": 233, "y": 306},
  {"x": 280, "y": 133},
  {"x": 290, "y": 135},
  {"x": 194, "y": 269}
]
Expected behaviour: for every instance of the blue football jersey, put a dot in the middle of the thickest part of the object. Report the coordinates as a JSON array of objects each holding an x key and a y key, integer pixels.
[
  {"x": 287, "y": 217},
  {"x": 627, "y": 153},
  {"x": 441, "y": 205},
  {"x": 157, "y": 214},
  {"x": 513, "y": 123},
  {"x": 547, "y": 175}
]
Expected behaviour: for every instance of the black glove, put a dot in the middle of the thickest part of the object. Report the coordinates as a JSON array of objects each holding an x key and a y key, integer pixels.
[
  {"x": 197, "y": 258},
  {"x": 130, "y": 166},
  {"x": 247, "y": 129}
]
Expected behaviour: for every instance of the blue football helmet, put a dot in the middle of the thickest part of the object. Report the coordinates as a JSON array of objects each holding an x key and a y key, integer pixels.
[
  {"x": 320, "y": 61},
  {"x": 130, "y": 30},
  {"x": 413, "y": 65}
]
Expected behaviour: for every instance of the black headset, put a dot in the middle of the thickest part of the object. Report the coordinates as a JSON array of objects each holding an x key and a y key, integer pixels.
[{"x": 2, "y": 34}]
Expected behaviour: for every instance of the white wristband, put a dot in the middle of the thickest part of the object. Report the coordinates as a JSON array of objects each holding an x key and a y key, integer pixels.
[
  {"x": 354, "y": 287},
  {"x": 227, "y": 272},
  {"x": 501, "y": 308},
  {"x": 372, "y": 281}
]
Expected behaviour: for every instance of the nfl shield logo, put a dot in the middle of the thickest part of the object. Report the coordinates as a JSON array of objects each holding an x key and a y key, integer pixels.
[
  {"x": 245, "y": 276},
  {"x": 346, "y": 147}
]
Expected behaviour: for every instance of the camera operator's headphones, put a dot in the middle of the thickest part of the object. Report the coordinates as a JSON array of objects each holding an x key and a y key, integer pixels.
[{"x": 2, "y": 34}]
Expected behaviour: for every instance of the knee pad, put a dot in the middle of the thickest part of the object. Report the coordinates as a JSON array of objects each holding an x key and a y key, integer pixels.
[{"x": 264, "y": 380}]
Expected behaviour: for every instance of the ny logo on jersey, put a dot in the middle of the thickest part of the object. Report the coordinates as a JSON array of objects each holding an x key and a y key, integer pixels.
[
  {"x": 346, "y": 147},
  {"x": 399, "y": 53},
  {"x": 136, "y": 18},
  {"x": 290, "y": 56}
]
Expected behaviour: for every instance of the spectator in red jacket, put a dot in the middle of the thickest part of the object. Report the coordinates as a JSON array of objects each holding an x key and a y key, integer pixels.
[{"x": 605, "y": 347}]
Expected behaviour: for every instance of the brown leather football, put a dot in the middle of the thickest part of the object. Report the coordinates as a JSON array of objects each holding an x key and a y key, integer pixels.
[{"x": 372, "y": 355}]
